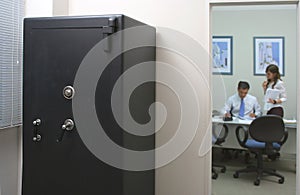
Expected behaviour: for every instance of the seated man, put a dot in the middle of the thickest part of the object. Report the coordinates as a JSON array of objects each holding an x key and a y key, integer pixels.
[{"x": 242, "y": 104}]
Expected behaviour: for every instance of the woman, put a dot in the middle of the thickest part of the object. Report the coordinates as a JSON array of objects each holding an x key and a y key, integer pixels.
[{"x": 274, "y": 87}]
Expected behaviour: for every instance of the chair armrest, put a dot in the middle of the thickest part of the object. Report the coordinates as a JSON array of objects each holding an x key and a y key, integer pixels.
[
  {"x": 242, "y": 140},
  {"x": 286, "y": 135},
  {"x": 219, "y": 139}
]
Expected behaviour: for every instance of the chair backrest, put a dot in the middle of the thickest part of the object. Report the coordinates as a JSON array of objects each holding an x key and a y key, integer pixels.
[{"x": 268, "y": 128}]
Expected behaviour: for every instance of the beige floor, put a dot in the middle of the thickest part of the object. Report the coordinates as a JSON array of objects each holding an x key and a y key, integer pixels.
[{"x": 227, "y": 185}]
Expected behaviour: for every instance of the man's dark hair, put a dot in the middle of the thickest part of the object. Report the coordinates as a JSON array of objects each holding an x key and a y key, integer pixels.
[{"x": 243, "y": 85}]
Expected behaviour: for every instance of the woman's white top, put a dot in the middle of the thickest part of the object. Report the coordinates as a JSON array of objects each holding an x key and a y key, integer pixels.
[{"x": 277, "y": 93}]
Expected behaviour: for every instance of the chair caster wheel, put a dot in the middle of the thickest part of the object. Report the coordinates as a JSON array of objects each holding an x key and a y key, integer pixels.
[
  {"x": 257, "y": 182},
  {"x": 236, "y": 175},
  {"x": 223, "y": 170},
  {"x": 214, "y": 176},
  {"x": 281, "y": 181}
]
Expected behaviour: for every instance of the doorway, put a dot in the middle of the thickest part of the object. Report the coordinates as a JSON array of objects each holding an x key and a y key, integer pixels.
[{"x": 241, "y": 24}]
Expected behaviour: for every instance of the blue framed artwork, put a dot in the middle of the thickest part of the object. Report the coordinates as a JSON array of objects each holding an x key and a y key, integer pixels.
[
  {"x": 222, "y": 55},
  {"x": 268, "y": 50}
]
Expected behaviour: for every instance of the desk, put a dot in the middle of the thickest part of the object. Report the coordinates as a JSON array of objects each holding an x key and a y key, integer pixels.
[{"x": 231, "y": 141}]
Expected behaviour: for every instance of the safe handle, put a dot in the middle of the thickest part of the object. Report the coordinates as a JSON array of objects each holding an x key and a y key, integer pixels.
[{"x": 67, "y": 126}]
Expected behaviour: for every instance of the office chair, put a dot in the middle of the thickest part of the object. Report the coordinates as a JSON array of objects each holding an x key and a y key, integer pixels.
[
  {"x": 218, "y": 139},
  {"x": 268, "y": 134}
]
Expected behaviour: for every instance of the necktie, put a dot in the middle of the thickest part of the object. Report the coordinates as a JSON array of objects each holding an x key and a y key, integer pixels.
[{"x": 242, "y": 108}]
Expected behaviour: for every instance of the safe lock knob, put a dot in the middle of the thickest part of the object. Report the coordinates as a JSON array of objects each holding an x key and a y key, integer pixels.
[
  {"x": 68, "y": 125},
  {"x": 36, "y": 136},
  {"x": 68, "y": 92},
  {"x": 37, "y": 122}
]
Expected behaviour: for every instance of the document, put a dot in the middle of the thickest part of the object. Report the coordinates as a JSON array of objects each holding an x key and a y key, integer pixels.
[
  {"x": 291, "y": 121},
  {"x": 246, "y": 118},
  {"x": 272, "y": 94}
]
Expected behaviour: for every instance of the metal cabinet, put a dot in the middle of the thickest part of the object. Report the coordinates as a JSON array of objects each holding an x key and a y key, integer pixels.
[{"x": 55, "y": 158}]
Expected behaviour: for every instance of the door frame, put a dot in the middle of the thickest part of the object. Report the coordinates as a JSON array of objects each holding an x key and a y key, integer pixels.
[{"x": 213, "y": 3}]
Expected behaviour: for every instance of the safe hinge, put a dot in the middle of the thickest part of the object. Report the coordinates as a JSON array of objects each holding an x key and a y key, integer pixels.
[
  {"x": 111, "y": 26},
  {"x": 108, "y": 30}
]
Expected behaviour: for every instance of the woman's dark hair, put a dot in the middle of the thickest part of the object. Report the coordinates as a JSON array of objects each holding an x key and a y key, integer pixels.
[{"x": 275, "y": 70}]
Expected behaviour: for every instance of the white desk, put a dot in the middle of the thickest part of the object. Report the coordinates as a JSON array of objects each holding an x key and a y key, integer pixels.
[{"x": 231, "y": 141}]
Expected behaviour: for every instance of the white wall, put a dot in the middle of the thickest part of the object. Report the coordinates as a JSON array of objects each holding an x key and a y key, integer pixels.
[
  {"x": 189, "y": 173},
  {"x": 60, "y": 7},
  {"x": 37, "y": 8},
  {"x": 243, "y": 23}
]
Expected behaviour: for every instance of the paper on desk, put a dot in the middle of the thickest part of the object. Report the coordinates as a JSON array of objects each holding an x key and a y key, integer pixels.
[
  {"x": 246, "y": 118},
  {"x": 240, "y": 121},
  {"x": 290, "y": 121}
]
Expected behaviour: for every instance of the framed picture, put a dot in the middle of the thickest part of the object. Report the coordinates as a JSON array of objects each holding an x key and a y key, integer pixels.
[
  {"x": 268, "y": 50},
  {"x": 222, "y": 55}
]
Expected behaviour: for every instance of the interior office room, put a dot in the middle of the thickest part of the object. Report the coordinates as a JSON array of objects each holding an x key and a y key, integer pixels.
[
  {"x": 243, "y": 24},
  {"x": 123, "y": 97}
]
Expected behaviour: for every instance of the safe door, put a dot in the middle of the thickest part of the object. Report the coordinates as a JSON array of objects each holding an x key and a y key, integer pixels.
[{"x": 55, "y": 159}]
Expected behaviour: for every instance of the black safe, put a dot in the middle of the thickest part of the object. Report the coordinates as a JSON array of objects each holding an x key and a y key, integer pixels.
[{"x": 55, "y": 159}]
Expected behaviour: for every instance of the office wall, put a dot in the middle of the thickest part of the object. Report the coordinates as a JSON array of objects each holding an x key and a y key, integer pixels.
[
  {"x": 189, "y": 173},
  {"x": 243, "y": 23},
  {"x": 36, "y": 8},
  {"x": 60, "y": 7}
]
